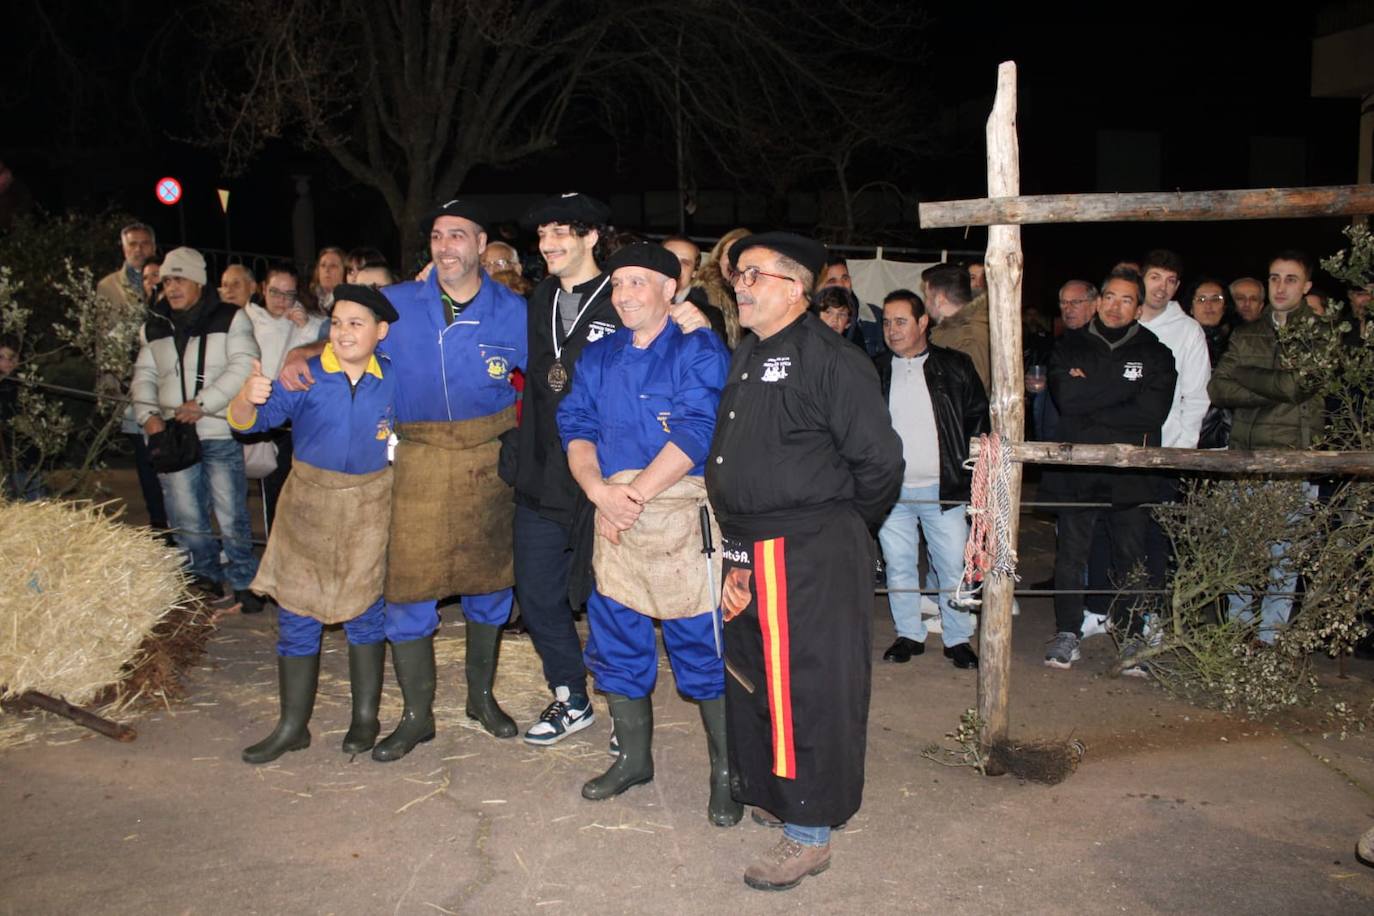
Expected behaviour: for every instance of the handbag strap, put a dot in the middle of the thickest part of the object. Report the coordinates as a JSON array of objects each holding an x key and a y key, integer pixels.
[{"x": 200, "y": 368}]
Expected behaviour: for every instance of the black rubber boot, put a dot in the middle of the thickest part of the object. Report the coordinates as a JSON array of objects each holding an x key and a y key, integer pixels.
[
  {"x": 297, "y": 678},
  {"x": 483, "y": 646},
  {"x": 365, "y": 665},
  {"x": 634, "y": 728},
  {"x": 722, "y": 809},
  {"x": 414, "y": 663}
]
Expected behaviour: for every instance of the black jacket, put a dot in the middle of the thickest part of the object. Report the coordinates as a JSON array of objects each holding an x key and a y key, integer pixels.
[
  {"x": 800, "y": 433},
  {"x": 1123, "y": 396},
  {"x": 961, "y": 411},
  {"x": 542, "y": 479}
]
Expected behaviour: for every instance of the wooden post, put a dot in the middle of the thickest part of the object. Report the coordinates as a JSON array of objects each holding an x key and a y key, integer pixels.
[
  {"x": 1007, "y": 399},
  {"x": 1150, "y": 206}
]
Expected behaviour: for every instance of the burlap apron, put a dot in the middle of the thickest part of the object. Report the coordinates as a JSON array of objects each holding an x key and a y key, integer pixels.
[
  {"x": 326, "y": 557},
  {"x": 658, "y": 567},
  {"x": 451, "y": 514}
]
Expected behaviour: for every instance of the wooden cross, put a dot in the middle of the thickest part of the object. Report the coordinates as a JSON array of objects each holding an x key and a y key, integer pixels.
[{"x": 1004, "y": 211}]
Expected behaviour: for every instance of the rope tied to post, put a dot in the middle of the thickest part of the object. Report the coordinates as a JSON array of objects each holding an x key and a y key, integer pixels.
[{"x": 989, "y": 550}]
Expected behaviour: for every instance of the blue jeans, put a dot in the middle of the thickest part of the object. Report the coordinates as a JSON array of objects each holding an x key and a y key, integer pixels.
[
  {"x": 946, "y": 533},
  {"x": 807, "y": 836},
  {"x": 1283, "y": 578},
  {"x": 217, "y": 479}
]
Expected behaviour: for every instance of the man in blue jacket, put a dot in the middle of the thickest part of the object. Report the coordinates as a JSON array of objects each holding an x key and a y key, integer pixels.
[{"x": 637, "y": 427}]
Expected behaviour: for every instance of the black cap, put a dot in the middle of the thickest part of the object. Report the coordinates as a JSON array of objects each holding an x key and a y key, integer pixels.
[
  {"x": 809, "y": 253},
  {"x": 467, "y": 209},
  {"x": 368, "y": 297},
  {"x": 646, "y": 255},
  {"x": 568, "y": 208}
]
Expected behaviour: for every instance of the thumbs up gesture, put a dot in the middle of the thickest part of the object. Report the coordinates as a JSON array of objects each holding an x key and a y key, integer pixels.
[{"x": 258, "y": 388}]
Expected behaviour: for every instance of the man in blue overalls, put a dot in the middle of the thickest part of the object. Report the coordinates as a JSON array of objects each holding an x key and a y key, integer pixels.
[{"x": 637, "y": 428}]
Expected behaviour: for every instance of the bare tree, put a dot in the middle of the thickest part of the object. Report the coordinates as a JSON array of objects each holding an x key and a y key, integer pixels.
[
  {"x": 406, "y": 96},
  {"x": 409, "y": 96}
]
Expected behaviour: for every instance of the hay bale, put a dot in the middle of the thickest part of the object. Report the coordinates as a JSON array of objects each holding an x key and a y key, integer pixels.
[{"x": 81, "y": 594}]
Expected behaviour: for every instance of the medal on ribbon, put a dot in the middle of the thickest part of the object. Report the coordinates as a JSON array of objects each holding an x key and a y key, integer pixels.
[{"x": 557, "y": 377}]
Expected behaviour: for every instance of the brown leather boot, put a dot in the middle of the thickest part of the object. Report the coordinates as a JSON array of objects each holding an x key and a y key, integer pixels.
[{"x": 783, "y": 867}]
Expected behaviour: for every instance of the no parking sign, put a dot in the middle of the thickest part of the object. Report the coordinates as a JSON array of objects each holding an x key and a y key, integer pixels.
[{"x": 168, "y": 191}]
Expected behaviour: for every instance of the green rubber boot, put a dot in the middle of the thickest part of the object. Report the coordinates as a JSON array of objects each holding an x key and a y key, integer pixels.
[
  {"x": 414, "y": 663},
  {"x": 483, "y": 646},
  {"x": 365, "y": 665},
  {"x": 297, "y": 678},
  {"x": 722, "y": 809},
  {"x": 634, "y": 728}
]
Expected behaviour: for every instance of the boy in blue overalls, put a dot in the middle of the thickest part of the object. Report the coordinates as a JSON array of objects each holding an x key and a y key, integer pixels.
[{"x": 326, "y": 556}]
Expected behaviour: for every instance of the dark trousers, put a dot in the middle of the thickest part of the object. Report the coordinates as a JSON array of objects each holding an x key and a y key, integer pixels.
[
  {"x": 148, "y": 483},
  {"x": 272, "y": 483},
  {"x": 1126, "y": 530},
  {"x": 543, "y": 557}
]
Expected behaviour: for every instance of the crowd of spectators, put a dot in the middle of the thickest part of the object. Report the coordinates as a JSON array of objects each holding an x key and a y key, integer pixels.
[{"x": 1124, "y": 359}]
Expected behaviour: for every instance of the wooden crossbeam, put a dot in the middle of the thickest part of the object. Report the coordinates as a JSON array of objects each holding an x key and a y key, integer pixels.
[
  {"x": 1271, "y": 462},
  {"x": 1152, "y": 207}
]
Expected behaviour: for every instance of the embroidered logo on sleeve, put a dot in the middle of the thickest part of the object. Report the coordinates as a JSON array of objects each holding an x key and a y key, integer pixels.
[
  {"x": 775, "y": 368},
  {"x": 1134, "y": 371},
  {"x": 663, "y": 416}
]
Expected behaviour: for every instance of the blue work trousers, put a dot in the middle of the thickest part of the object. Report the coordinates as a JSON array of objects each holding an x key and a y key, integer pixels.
[
  {"x": 622, "y": 651},
  {"x": 298, "y": 635},
  {"x": 418, "y": 619}
]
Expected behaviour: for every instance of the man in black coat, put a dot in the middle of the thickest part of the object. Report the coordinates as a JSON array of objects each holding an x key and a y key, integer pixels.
[
  {"x": 1112, "y": 381},
  {"x": 803, "y": 465}
]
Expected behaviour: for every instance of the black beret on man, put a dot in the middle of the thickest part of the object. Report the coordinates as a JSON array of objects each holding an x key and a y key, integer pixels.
[
  {"x": 467, "y": 209},
  {"x": 368, "y": 297},
  {"x": 646, "y": 255},
  {"x": 809, "y": 253},
  {"x": 568, "y": 208}
]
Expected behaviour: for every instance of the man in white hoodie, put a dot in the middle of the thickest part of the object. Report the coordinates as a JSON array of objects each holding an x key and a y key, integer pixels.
[
  {"x": 278, "y": 326},
  {"x": 1185, "y": 338},
  {"x": 1182, "y": 335}
]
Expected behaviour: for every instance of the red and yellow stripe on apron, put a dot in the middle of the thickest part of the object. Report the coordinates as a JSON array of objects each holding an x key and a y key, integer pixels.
[{"x": 770, "y": 576}]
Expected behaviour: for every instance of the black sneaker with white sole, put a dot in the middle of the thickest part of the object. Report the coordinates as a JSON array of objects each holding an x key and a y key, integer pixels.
[{"x": 565, "y": 715}]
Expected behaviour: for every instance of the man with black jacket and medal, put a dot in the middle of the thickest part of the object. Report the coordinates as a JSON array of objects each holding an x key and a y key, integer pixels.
[
  {"x": 568, "y": 310},
  {"x": 804, "y": 465}
]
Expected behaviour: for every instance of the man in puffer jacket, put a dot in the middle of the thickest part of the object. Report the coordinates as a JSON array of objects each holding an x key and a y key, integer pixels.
[
  {"x": 1270, "y": 409},
  {"x": 170, "y": 382}
]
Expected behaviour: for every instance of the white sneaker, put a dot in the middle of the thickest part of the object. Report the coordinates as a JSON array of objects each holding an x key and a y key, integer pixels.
[
  {"x": 932, "y": 624},
  {"x": 1093, "y": 624},
  {"x": 561, "y": 718}
]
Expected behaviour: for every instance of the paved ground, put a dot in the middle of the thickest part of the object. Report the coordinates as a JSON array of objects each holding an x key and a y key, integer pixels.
[{"x": 1173, "y": 810}]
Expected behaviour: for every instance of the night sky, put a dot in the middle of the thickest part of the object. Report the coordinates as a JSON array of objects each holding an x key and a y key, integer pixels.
[{"x": 1205, "y": 89}]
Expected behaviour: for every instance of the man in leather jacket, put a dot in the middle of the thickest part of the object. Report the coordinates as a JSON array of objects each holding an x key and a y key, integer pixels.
[{"x": 937, "y": 403}]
